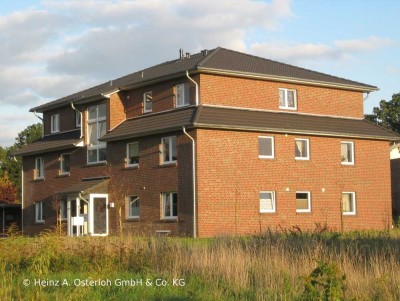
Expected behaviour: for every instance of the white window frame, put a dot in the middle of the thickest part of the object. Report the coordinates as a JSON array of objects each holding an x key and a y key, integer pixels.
[
  {"x": 55, "y": 123},
  {"x": 353, "y": 201},
  {"x": 39, "y": 171},
  {"x": 273, "y": 147},
  {"x": 185, "y": 97},
  {"x": 130, "y": 200},
  {"x": 127, "y": 155},
  {"x": 170, "y": 145},
  {"x": 352, "y": 152},
  {"x": 273, "y": 210},
  {"x": 308, "y": 148},
  {"x": 100, "y": 145},
  {"x": 39, "y": 209},
  {"x": 308, "y": 202},
  {"x": 286, "y": 106},
  {"x": 78, "y": 119},
  {"x": 61, "y": 164},
  {"x": 145, "y": 100},
  {"x": 163, "y": 205}
]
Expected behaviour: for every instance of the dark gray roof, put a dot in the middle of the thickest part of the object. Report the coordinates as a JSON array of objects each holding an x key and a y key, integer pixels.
[
  {"x": 248, "y": 120},
  {"x": 50, "y": 143},
  {"x": 151, "y": 124},
  {"x": 88, "y": 186},
  {"x": 241, "y": 119},
  {"x": 219, "y": 59}
]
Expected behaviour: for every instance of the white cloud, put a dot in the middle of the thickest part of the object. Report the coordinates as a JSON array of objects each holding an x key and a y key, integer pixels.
[{"x": 336, "y": 51}]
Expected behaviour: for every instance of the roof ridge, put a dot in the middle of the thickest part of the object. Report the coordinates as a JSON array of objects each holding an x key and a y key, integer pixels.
[
  {"x": 210, "y": 55},
  {"x": 293, "y": 66}
]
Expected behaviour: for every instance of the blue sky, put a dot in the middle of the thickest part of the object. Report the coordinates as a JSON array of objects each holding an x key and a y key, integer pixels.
[{"x": 54, "y": 48}]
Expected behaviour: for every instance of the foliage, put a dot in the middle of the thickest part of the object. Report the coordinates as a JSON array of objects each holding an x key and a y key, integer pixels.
[
  {"x": 388, "y": 113},
  {"x": 324, "y": 283},
  {"x": 8, "y": 191},
  {"x": 12, "y": 165},
  {"x": 264, "y": 267}
]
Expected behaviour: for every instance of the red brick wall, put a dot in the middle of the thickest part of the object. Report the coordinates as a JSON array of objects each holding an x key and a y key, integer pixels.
[
  {"x": 163, "y": 96},
  {"x": 44, "y": 190},
  {"x": 67, "y": 119},
  {"x": 230, "y": 177},
  {"x": 116, "y": 110},
  {"x": 148, "y": 181},
  {"x": 259, "y": 94}
]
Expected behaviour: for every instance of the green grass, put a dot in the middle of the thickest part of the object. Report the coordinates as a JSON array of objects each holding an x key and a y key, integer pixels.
[{"x": 274, "y": 266}]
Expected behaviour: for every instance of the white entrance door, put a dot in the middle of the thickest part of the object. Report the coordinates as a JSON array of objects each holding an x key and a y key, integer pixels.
[{"x": 98, "y": 214}]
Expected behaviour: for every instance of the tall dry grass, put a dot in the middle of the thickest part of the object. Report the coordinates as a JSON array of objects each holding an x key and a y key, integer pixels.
[{"x": 269, "y": 267}]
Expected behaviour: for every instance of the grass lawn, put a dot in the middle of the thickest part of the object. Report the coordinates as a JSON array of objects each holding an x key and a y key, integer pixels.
[{"x": 285, "y": 266}]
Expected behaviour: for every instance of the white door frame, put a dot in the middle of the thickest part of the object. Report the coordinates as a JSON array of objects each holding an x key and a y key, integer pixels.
[{"x": 91, "y": 213}]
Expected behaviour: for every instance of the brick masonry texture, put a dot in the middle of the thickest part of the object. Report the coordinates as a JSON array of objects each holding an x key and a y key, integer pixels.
[
  {"x": 259, "y": 94},
  {"x": 229, "y": 173},
  {"x": 230, "y": 177}
]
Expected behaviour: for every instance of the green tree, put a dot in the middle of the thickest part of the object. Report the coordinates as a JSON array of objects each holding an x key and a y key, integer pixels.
[
  {"x": 388, "y": 114},
  {"x": 11, "y": 165}
]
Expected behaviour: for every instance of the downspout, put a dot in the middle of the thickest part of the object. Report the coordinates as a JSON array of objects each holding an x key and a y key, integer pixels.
[
  {"x": 366, "y": 97},
  {"x": 73, "y": 107},
  {"x": 34, "y": 113},
  {"x": 22, "y": 198},
  {"x": 194, "y": 181},
  {"x": 197, "y": 87}
]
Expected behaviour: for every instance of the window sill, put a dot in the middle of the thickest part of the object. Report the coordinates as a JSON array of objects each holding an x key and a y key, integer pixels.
[
  {"x": 135, "y": 166},
  {"x": 267, "y": 212},
  {"x": 266, "y": 157},
  {"x": 39, "y": 222},
  {"x": 95, "y": 164},
  {"x": 169, "y": 220},
  {"x": 288, "y": 108},
  {"x": 169, "y": 164},
  {"x": 132, "y": 219},
  {"x": 38, "y": 180},
  {"x": 302, "y": 159},
  {"x": 347, "y": 164},
  {"x": 63, "y": 175},
  {"x": 349, "y": 214}
]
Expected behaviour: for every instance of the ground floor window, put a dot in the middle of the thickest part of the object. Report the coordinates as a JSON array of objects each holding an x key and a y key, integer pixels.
[
  {"x": 169, "y": 205},
  {"x": 303, "y": 201},
  {"x": 267, "y": 201},
  {"x": 39, "y": 218},
  {"x": 133, "y": 206},
  {"x": 349, "y": 203}
]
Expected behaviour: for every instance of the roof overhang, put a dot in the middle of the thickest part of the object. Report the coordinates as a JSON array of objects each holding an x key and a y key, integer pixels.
[{"x": 291, "y": 80}]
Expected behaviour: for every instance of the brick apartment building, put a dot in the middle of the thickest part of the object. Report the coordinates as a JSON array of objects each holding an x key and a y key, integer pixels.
[{"x": 215, "y": 143}]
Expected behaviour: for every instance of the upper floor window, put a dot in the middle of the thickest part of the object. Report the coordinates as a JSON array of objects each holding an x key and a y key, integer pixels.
[
  {"x": 169, "y": 205},
  {"x": 302, "y": 149},
  {"x": 133, "y": 206},
  {"x": 182, "y": 95},
  {"x": 132, "y": 154},
  {"x": 303, "y": 201},
  {"x": 347, "y": 153},
  {"x": 64, "y": 164},
  {"x": 39, "y": 168},
  {"x": 267, "y": 202},
  {"x": 168, "y": 150},
  {"x": 287, "y": 99},
  {"x": 266, "y": 147},
  {"x": 78, "y": 118},
  {"x": 39, "y": 216},
  {"x": 55, "y": 123},
  {"x": 147, "y": 102},
  {"x": 349, "y": 203},
  {"x": 96, "y": 128}
]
